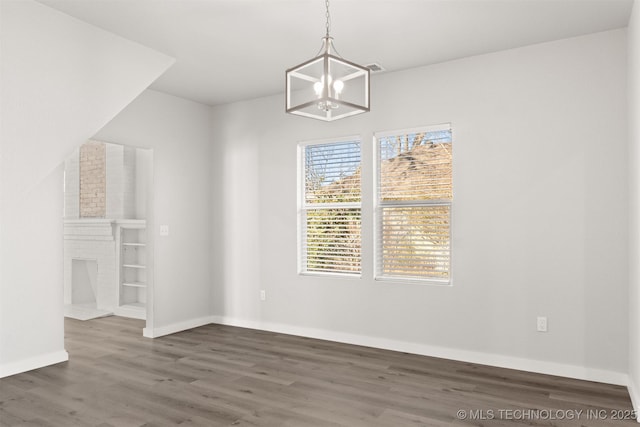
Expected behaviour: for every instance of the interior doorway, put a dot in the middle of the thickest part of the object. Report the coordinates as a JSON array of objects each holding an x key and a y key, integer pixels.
[{"x": 108, "y": 254}]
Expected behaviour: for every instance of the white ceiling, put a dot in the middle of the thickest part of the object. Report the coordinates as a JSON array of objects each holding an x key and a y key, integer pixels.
[{"x": 229, "y": 50}]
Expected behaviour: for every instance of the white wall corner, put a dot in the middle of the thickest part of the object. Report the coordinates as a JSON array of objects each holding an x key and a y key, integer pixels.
[
  {"x": 8, "y": 369},
  {"x": 634, "y": 394},
  {"x": 177, "y": 327},
  {"x": 633, "y": 99}
]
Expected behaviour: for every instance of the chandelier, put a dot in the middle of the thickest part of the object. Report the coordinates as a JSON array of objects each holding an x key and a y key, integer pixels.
[{"x": 327, "y": 87}]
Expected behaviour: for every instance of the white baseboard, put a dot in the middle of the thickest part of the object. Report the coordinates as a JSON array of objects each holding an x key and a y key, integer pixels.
[
  {"x": 538, "y": 366},
  {"x": 634, "y": 393},
  {"x": 131, "y": 312},
  {"x": 509, "y": 362},
  {"x": 8, "y": 369},
  {"x": 176, "y": 327},
  {"x": 542, "y": 367}
]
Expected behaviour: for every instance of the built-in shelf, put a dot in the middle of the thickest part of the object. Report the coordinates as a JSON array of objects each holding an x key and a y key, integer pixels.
[
  {"x": 134, "y": 305},
  {"x": 135, "y": 284},
  {"x": 134, "y": 266},
  {"x": 134, "y": 310},
  {"x": 132, "y": 286}
]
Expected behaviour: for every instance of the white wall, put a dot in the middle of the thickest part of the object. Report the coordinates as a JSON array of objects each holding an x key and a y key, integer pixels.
[
  {"x": 179, "y": 133},
  {"x": 143, "y": 164},
  {"x": 634, "y": 198},
  {"x": 539, "y": 216},
  {"x": 72, "y": 185},
  {"x": 58, "y": 86},
  {"x": 120, "y": 182}
]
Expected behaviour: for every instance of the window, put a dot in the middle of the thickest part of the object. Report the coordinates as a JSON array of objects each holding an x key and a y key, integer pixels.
[
  {"x": 329, "y": 207},
  {"x": 413, "y": 204}
]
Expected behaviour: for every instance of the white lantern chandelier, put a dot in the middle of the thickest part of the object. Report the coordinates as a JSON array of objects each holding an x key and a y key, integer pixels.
[{"x": 327, "y": 87}]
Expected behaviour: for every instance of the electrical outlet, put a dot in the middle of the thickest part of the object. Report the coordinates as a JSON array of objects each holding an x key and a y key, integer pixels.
[
  {"x": 164, "y": 230},
  {"x": 542, "y": 324},
  {"x": 263, "y": 295}
]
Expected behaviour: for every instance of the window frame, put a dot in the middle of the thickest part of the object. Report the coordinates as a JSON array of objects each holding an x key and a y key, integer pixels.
[
  {"x": 303, "y": 207},
  {"x": 379, "y": 205}
]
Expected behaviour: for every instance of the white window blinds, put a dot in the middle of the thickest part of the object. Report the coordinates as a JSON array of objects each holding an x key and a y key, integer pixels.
[
  {"x": 330, "y": 208},
  {"x": 413, "y": 204}
]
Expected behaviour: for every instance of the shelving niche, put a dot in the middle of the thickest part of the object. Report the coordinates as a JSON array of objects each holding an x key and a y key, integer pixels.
[{"x": 132, "y": 282}]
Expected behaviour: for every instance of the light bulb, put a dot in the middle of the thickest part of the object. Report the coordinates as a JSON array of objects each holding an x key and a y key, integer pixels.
[
  {"x": 338, "y": 85},
  {"x": 317, "y": 87}
]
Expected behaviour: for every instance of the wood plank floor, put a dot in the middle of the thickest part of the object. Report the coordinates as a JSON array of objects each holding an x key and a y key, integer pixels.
[{"x": 225, "y": 376}]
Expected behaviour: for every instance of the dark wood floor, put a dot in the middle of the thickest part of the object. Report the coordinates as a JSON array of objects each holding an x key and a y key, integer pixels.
[{"x": 226, "y": 376}]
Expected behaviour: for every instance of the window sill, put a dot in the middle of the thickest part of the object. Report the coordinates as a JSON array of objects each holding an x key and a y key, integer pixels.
[
  {"x": 325, "y": 274},
  {"x": 415, "y": 281}
]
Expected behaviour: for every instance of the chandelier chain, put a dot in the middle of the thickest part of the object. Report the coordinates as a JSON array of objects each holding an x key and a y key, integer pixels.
[
  {"x": 337, "y": 87},
  {"x": 328, "y": 23}
]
